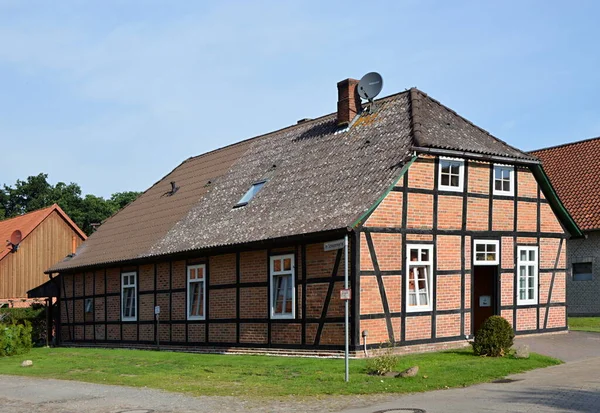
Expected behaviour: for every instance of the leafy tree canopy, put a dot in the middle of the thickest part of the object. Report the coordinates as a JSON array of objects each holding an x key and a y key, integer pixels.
[{"x": 36, "y": 192}]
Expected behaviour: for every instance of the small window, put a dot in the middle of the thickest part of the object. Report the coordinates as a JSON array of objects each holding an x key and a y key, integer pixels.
[
  {"x": 283, "y": 291},
  {"x": 486, "y": 252},
  {"x": 196, "y": 289},
  {"x": 504, "y": 180},
  {"x": 254, "y": 189},
  {"x": 419, "y": 267},
  {"x": 89, "y": 305},
  {"x": 528, "y": 275},
  {"x": 128, "y": 296},
  {"x": 582, "y": 271},
  {"x": 451, "y": 174}
]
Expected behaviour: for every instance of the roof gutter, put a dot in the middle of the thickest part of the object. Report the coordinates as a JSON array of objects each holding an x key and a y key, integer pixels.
[
  {"x": 555, "y": 203},
  {"x": 475, "y": 156},
  {"x": 382, "y": 197}
]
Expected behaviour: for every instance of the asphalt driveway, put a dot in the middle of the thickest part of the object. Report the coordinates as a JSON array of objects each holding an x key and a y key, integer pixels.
[{"x": 571, "y": 387}]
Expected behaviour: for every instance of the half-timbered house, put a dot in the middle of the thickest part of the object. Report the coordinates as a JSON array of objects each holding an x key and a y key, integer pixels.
[{"x": 236, "y": 248}]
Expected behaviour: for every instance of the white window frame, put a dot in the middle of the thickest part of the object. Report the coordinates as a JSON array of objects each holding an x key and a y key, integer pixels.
[
  {"x": 428, "y": 279},
  {"x": 486, "y": 242},
  {"x": 272, "y": 275},
  {"x": 527, "y": 264},
  {"x": 461, "y": 174},
  {"x": 195, "y": 281},
  {"x": 135, "y": 301},
  {"x": 511, "y": 181}
]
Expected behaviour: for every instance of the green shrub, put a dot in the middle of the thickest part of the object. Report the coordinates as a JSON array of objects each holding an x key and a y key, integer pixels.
[
  {"x": 494, "y": 338},
  {"x": 35, "y": 315},
  {"x": 15, "y": 339},
  {"x": 383, "y": 363}
]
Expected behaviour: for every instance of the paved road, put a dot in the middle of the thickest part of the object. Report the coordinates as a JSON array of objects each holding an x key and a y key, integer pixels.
[{"x": 571, "y": 387}]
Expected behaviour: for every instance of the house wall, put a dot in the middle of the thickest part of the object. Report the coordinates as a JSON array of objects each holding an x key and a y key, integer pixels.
[
  {"x": 23, "y": 270},
  {"x": 416, "y": 212},
  {"x": 237, "y": 303},
  {"x": 582, "y": 296}
]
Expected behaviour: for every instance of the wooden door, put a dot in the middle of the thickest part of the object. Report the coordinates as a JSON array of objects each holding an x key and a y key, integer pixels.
[{"x": 484, "y": 294}]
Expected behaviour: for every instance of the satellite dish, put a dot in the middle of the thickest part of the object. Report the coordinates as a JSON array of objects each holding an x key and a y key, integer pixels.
[
  {"x": 370, "y": 85},
  {"x": 16, "y": 237},
  {"x": 15, "y": 240}
]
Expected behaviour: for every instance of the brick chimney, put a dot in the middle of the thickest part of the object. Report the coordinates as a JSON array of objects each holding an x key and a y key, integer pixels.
[{"x": 348, "y": 101}]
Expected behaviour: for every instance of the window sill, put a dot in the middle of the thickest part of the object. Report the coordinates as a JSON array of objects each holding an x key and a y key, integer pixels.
[
  {"x": 450, "y": 188},
  {"x": 196, "y": 318},
  {"x": 283, "y": 317},
  {"x": 500, "y": 193},
  {"x": 526, "y": 302},
  {"x": 128, "y": 320},
  {"x": 418, "y": 309}
]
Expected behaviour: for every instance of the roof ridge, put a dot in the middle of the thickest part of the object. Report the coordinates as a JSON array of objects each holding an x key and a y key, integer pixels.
[
  {"x": 565, "y": 144},
  {"x": 306, "y": 122},
  {"x": 468, "y": 121},
  {"x": 36, "y": 211}
]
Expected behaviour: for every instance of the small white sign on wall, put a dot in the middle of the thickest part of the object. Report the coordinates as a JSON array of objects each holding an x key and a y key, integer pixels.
[
  {"x": 157, "y": 310},
  {"x": 345, "y": 294},
  {"x": 334, "y": 245},
  {"x": 485, "y": 301}
]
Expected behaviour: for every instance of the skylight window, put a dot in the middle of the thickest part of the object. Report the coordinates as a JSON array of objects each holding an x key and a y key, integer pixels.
[{"x": 254, "y": 189}]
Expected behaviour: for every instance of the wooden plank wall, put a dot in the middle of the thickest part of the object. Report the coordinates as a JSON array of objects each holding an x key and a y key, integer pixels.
[{"x": 23, "y": 270}]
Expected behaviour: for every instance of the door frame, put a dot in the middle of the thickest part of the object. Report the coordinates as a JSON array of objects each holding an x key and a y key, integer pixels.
[{"x": 497, "y": 275}]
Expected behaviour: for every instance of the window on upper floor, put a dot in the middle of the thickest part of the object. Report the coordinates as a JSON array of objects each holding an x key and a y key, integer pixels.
[
  {"x": 504, "y": 180},
  {"x": 196, "y": 291},
  {"x": 283, "y": 291},
  {"x": 451, "y": 174},
  {"x": 419, "y": 267},
  {"x": 129, "y": 296},
  {"x": 582, "y": 271},
  {"x": 527, "y": 265}
]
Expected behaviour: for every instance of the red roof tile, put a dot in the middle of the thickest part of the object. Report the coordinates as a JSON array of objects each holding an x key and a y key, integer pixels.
[
  {"x": 573, "y": 170},
  {"x": 27, "y": 223}
]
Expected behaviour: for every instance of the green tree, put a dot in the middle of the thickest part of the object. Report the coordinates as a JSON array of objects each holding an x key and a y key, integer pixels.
[{"x": 36, "y": 193}]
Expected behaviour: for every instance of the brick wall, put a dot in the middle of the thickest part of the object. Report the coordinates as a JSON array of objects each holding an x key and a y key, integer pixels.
[
  {"x": 486, "y": 217},
  {"x": 227, "y": 322},
  {"x": 582, "y": 296}
]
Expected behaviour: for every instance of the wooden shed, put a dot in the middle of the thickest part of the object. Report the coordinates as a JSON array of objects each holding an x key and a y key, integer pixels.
[{"x": 47, "y": 236}]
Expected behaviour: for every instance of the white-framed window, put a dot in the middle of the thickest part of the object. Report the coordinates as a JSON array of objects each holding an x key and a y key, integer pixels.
[
  {"x": 419, "y": 267},
  {"x": 504, "y": 180},
  {"x": 527, "y": 265},
  {"x": 451, "y": 174},
  {"x": 129, "y": 296},
  {"x": 486, "y": 252},
  {"x": 283, "y": 290},
  {"x": 196, "y": 292}
]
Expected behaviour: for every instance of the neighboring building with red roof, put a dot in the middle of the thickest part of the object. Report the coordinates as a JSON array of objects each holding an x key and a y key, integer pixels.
[
  {"x": 47, "y": 236},
  {"x": 573, "y": 169}
]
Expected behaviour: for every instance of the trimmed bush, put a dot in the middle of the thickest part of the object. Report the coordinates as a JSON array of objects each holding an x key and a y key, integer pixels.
[
  {"x": 382, "y": 364},
  {"x": 15, "y": 339},
  {"x": 494, "y": 338},
  {"x": 34, "y": 315}
]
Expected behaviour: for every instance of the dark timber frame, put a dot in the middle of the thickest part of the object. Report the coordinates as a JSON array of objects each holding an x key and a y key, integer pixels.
[{"x": 463, "y": 271}]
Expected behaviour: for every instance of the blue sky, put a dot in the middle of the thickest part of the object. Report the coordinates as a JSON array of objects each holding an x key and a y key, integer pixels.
[{"x": 112, "y": 95}]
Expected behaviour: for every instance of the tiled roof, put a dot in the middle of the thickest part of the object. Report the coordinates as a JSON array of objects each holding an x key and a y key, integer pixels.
[
  {"x": 318, "y": 179},
  {"x": 573, "y": 170},
  {"x": 26, "y": 223}
]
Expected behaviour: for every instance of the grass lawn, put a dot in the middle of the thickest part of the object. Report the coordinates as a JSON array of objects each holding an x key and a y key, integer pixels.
[
  {"x": 207, "y": 374},
  {"x": 585, "y": 324}
]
